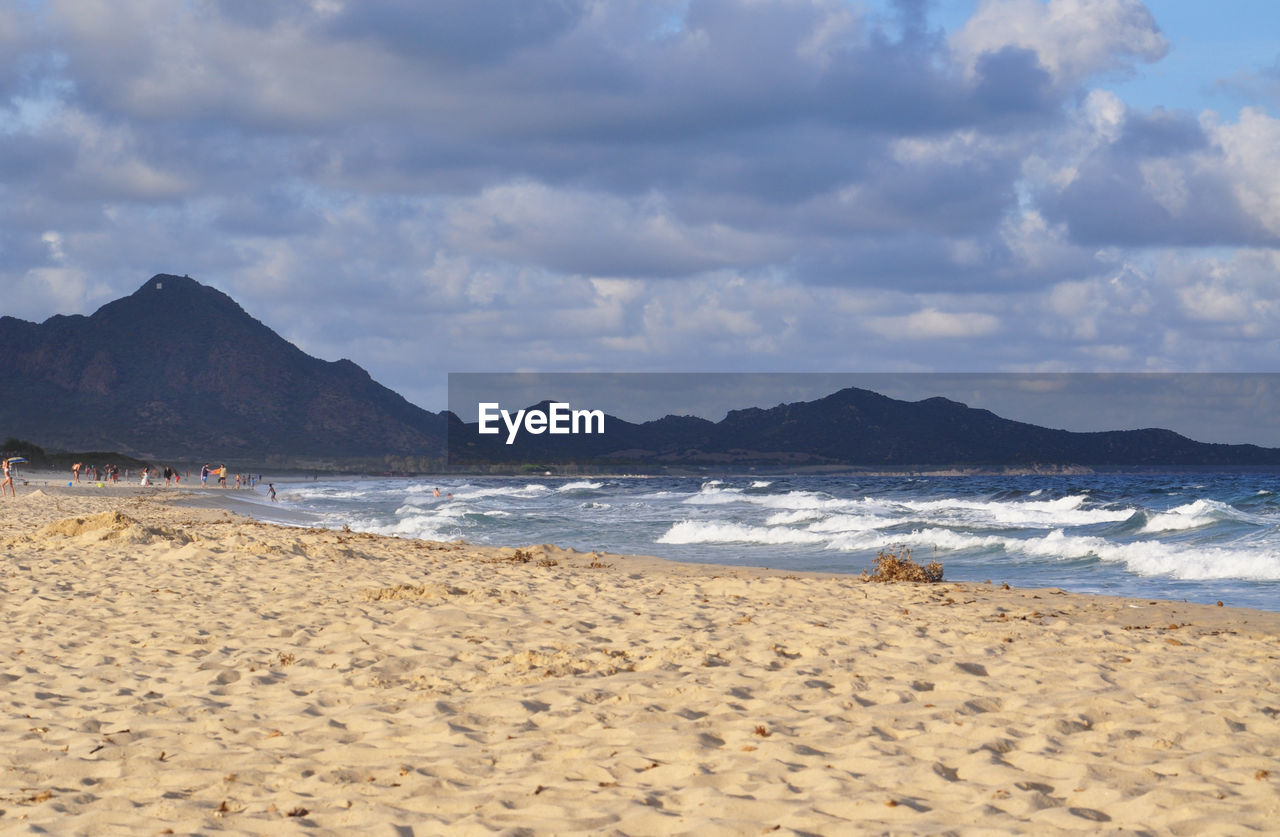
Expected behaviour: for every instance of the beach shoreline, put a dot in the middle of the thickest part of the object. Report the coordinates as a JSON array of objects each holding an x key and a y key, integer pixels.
[{"x": 181, "y": 667}]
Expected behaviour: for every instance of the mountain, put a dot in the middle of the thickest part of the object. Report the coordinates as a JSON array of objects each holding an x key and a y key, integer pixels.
[
  {"x": 179, "y": 370},
  {"x": 855, "y": 428}
]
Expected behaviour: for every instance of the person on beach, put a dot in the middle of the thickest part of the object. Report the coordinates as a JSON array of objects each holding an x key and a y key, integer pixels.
[
  {"x": 204, "y": 475},
  {"x": 8, "y": 481},
  {"x": 271, "y": 492},
  {"x": 146, "y": 475},
  {"x": 75, "y": 469},
  {"x": 222, "y": 476}
]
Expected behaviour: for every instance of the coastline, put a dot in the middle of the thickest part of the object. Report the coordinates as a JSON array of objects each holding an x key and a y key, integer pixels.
[{"x": 183, "y": 667}]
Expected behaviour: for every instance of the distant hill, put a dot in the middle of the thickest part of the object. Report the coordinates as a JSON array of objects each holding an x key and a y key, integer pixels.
[
  {"x": 179, "y": 370},
  {"x": 855, "y": 428}
]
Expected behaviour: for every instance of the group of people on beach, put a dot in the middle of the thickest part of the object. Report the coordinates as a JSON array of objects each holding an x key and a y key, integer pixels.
[
  {"x": 220, "y": 474},
  {"x": 249, "y": 481},
  {"x": 107, "y": 473},
  {"x": 172, "y": 476},
  {"x": 150, "y": 475}
]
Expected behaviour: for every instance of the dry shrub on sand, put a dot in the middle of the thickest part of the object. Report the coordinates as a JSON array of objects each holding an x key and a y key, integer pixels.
[{"x": 900, "y": 567}]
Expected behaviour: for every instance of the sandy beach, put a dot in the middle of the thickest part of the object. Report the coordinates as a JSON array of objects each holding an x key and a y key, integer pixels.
[{"x": 171, "y": 669}]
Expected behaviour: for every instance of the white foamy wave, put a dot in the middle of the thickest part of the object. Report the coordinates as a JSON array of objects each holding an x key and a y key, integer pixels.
[
  {"x": 693, "y": 531},
  {"x": 810, "y": 500},
  {"x": 1195, "y": 564},
  {"x": 595, "y": 506},
  {"x": 303, "y": 492},
  {"x": 761, "y": 484},
  {"x": 713, "y": 495},
  {"x": 452, "y": 510},
  {"x": 1041, "y": 514},
  {"x": 1064, "y": 511},
  {"x": 789, "y": 517},
  {"x": 423, "y": 527},
  {"x": 475, "y": 493},
  {"x": 851, "y": 523},
  {"x": 943, "y": 539},
  {"x": 583, "y": 485},
  {"x": 1192, "y": 516},
  {"x": 1153, "y": 558}
]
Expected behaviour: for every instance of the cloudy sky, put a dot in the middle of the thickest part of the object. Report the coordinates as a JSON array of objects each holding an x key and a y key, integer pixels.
[{"x": 642, "y": 185}]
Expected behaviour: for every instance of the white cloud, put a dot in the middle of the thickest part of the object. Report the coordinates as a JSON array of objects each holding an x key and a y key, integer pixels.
[
  {"x": 1074, "y": 39},
  {"x": 933, "y": 324},
  {"x": 598, "y": 234},
  {"x": 1251, "y": 161}
]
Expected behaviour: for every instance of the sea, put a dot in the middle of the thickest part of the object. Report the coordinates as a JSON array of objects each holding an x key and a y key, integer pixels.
[{"x": 1188, "y": 537}]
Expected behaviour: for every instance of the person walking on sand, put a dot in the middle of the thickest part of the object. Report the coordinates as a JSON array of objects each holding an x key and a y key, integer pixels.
[
  {"x": 8, "y": 481},
  {"x": 222, "y": 476},
  {"x": 204, "y": 475},
  {"x": 75, "y": 469}
]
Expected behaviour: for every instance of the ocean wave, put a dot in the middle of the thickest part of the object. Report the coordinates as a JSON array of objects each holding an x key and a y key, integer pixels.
[
  {"x": 447, "y": 510},
  {"x": 1063, "y": 511},
  {"x": 837, "y": 523},
  {"x": 1043, "y": 514},
  {"x": 583, "y": 485},
  {"x": 814, "y": 500},
  {"x": 1196, "y": 514},
  {"x": 1122, "y": 534},
  {"x": 468, "y": 492},
  {"x": 693, "y": 531},
  {"x": 1156, "y": 558},
  {"x": 944, "y": 539},
  {"x": 422, "y": 527},
  {"x": 786, "y": 518},
  {"x": 712, "y": 493}
]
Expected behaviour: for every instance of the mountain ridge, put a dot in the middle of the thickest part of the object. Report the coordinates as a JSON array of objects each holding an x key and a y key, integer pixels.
[
  {"x": 859, "y": 428},
  {"x": 178, "y": 369}
]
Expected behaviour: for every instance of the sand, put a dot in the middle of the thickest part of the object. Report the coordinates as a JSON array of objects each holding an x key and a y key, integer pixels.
[{"x": 169, "y": 669}]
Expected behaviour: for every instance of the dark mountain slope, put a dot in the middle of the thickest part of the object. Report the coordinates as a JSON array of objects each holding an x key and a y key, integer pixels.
[{"x": 179, "y": 369}]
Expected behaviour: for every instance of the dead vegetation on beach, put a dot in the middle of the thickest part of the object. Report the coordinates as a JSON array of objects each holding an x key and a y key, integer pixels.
[{"x": 900, "y": 566}]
